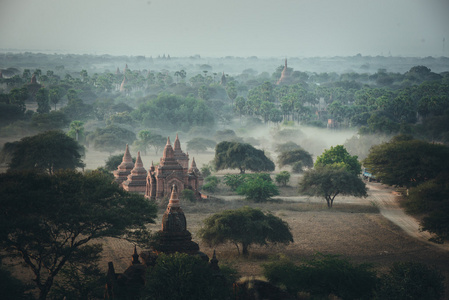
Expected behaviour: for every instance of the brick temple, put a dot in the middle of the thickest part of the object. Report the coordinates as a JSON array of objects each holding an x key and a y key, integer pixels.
[{"x": 157, "y": 182}]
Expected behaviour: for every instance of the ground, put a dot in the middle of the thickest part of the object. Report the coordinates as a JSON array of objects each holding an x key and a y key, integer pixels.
[{"x": 373, "y": 229}]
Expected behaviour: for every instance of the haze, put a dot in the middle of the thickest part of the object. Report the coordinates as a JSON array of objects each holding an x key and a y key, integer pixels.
[{"x": 211, "y": 28}]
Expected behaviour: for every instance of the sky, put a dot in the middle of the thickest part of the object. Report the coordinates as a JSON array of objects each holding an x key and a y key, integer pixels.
[{"x": 219, "y": 28}]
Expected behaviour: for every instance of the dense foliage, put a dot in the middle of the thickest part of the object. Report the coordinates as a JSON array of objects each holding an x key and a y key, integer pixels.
[
  {"x": 407, "y": 162},
  {"x": 329, "y": 182},
  {"x": 234, "y": 155},
  {"x": 322, "y": 276},
  {"x": 245, "y": 226},
  {"x": 338, "y": 156},
  {"x": 45, "y": 152},
  {"x": 48, "y": 219},
  {"x": 183, "y": 276}
]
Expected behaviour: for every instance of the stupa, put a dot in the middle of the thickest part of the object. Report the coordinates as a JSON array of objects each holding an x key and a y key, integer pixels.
[
  {"x": 137, "y": 179},
  {"x": 174, "y": 236},
  {"x": 125, "y": 168}
]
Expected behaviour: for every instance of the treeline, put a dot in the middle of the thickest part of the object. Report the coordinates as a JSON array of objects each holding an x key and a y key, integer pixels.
[{"x": 415, "y": 102}]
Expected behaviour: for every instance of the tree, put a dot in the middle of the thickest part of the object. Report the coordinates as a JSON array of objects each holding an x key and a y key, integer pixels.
[
  {"x": 200, "y": 144},
  {"x": 283, "y": 178},
  {"x": 143, "y": 143},
  {"x": 42, "y": 98},
  {"x": 49, "y": 219},
  {"x": 258, "y": 188},
  {"x": 331, "y": 181},
  {"x": 293, "y": 157},
  {"x": 407, "y": 162},
  {"x": 111, "y": 138},
  {"x": 182, "y": 276},
  {"x": 430, "y": 200},
  {"x": 339, "y": 156},
  {"x": 46, "y": 152},
  {"x": 54, "y": 96},
  {"x": 322, "y": 276},
  {"x": 245, "y": 226},
  {"x": 411, "y": 280},
  {"x": 76, "y": 130},
  {"x": 233, "y": 155}
]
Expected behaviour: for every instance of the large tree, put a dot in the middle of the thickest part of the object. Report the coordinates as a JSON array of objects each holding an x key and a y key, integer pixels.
[
  {"x": 45, "y": 152},
  {"x": 329, "y": 182},
  {"x": 234, "y": 155},
  {"x": 299, "y": 159},
  {"x": 245, "y": 226},
  {"x": 48, "y": 219},
  {"x": 339, "y": 156},
  {"x": 407, "y": 162}
]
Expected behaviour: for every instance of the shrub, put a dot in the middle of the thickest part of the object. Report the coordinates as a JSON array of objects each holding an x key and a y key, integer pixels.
[
  {"x": 410, "y": 280},
  {"x": 283, "y": 178},
  {"x": 211, "y": 184},
  {"x": 324, "y": 275},
  {"x": 188, "y": 195}
]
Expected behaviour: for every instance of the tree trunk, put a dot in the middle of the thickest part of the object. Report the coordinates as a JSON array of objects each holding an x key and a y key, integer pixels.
[
  {"x": 45, "y": 288},
  {"x": 245, "y": 249}
]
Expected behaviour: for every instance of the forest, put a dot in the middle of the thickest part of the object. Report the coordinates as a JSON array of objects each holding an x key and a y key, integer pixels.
[{"x": 309, "y": 119}]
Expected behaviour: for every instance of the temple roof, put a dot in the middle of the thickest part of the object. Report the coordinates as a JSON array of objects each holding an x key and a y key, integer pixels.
[{"x": 127, "y": 161}]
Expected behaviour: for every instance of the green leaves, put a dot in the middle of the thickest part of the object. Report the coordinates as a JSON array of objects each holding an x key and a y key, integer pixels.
[
  {"x": 339, "y": 156},
  {"x": 330, "y": 181},
  {"x": 46, "y": 152},
  {"x": 234, "y": 155},
  {"x": 407, "y": 162},
  {"x": 245, "y": 226},
  {"x": 48, "y": 218}
]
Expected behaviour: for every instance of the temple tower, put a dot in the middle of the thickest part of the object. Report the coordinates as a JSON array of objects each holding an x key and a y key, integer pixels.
[
  {"x": 137, "y": 179},
  {"x": 125, "y": 168},
  {"x": 169, "y": 172},
  {"x": 174, "y": 236},
  {"x": 180, "y": 156},
  {"x": 285, "y": 76}
]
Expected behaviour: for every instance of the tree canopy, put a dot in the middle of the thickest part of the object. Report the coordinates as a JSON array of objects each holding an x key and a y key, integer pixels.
[
  {"x": 295, "y": 157},
  {"x": 47, "y": 219},
  {"x": 234, "y": 155},
  {"x": 407, "y": 162},
  {"x": 329, "y": 182},
  {"x": 45, "y": 152},
  {"x": 245, "y": 226},
  {"x": 339, "y": 156},
  {"x": 183, "y": 276}
]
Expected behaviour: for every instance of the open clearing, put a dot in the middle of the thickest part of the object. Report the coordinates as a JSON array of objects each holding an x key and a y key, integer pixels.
[{"x": 354, "y": 229}]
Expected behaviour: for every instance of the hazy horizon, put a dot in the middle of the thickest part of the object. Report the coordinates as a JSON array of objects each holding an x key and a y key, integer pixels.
[{"x": 210, "y": 28}]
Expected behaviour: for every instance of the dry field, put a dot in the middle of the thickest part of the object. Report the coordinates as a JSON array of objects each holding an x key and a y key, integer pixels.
[
  {"x": 362, "y": 230},
  {"x": 354, "y": 229}
]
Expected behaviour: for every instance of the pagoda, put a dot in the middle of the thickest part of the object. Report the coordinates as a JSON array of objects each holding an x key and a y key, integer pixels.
[
  {"x": 125, "y": 168},
  {"x": 137, "y": 179},
  {"x": 174, "y": 236}
]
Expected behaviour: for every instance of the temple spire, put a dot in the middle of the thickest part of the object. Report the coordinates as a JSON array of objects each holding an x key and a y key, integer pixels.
[
  {"x": 177, "y": 145},
  {"x": 135, "y": 256},
  {"x": 174, "y": 200}
]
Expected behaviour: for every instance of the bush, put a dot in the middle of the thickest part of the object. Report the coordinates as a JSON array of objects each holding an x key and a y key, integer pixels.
[
  {"x": 282, "y": 178},
  {"x": 324, "y": 275},
  {"x": 188, "y": 195},
  {"x": 182, "y": 276},
  {"x": 211, "y": 184},
  {"x": 410, "y": 280},
  {"x": 257, "y": 188}
]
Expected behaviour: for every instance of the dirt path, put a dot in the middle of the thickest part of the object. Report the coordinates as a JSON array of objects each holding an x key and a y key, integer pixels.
[{"x": 389, "y": 207}]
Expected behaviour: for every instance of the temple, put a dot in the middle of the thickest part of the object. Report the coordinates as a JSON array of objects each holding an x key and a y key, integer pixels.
[
  {"x": 285, "y": 75},
  {"x": 157, "y": 183}
]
